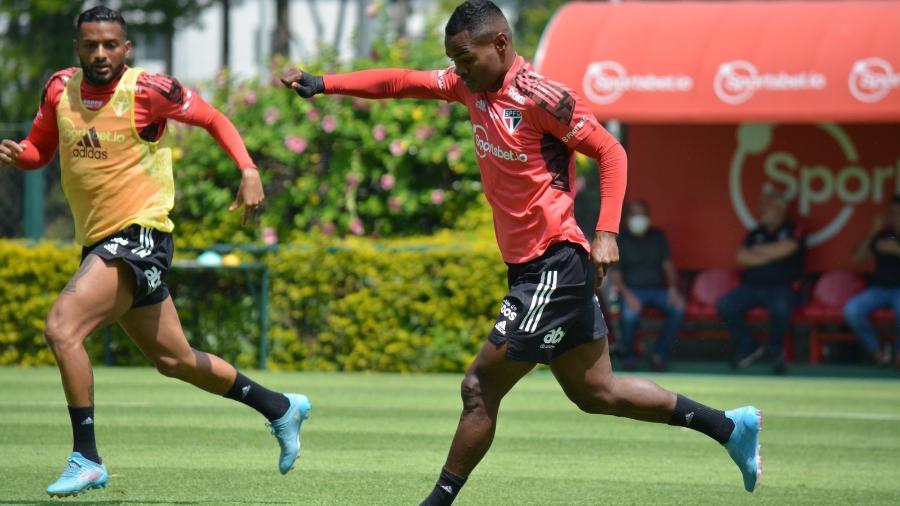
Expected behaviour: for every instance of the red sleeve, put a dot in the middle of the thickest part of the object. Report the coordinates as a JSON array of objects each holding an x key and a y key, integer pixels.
[
  {"x": 613, "y": 163},
  {"x": 396, "y": 83},
  {"x": 168, "y": 99},
  {"x": 43, "y": 139}
]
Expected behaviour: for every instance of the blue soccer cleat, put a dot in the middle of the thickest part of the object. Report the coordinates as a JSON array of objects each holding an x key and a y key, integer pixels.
[
  {"x": 287, "y": 430},
  {"x": 743, "y": 445},
  {"x": 80, "y": 475}
]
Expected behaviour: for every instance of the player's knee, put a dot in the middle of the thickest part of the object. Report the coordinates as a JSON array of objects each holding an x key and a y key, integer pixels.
[
  {"x": 173, "y": 367},
  {"x": 58, "y": 334},
  {"x": 598, "y": 399},
  {"x": 470, "y": 390}
]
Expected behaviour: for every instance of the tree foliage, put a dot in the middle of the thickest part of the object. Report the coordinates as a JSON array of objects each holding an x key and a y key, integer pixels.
[{"x": 38, "y": 41}]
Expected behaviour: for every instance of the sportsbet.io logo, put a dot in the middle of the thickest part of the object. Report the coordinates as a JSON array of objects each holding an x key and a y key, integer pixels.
[
  {"x": 605, "y": 82},
  {"x": 483, "y": 147},
  {"x": 826, "y": 178},
  {"x": 871, "y": 79},
  {"x": 737, "y": 81}
]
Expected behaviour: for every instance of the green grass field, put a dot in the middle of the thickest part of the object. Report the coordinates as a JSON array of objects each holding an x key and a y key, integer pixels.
[{"x": 381, "y": 439}]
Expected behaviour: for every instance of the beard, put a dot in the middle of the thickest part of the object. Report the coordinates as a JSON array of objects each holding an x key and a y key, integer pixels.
[{"x": 91, "y": 77}]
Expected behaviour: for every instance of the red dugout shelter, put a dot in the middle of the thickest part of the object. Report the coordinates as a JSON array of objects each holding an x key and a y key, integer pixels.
[{"x": 721, "y": 99}]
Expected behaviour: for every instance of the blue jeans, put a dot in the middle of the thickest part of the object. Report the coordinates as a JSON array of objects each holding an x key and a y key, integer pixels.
[
  {"x": 650, "y": 297},
  {"x": 857, "y": 311},
  {"x": 778, "y": 301}
]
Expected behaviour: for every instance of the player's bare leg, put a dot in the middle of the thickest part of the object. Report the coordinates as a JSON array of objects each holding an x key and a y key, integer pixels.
[
  {"x": 98, "y": 293},
  {"x": 585, "y": 374},
  {"x": 487, "y": 380},
  {"x": 586, "y": 377},
  {"x": 157, "y": 331}
]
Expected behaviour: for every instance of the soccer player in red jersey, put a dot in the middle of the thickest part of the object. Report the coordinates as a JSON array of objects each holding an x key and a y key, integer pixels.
[
  {"x": 107, "y": 120},
  {"x": 526, "y": 130}
]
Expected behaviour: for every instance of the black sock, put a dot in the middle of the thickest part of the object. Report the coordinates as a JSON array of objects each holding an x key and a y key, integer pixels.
[
  {"x": 705, "y": 419},
  {"x": 272, "y": 405},
  {"x": 445, "y": 490},
  {"x": 83, "y": 433}
]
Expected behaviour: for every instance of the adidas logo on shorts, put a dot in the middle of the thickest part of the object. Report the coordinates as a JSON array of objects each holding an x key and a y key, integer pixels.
[{"x": 501, "y": 327}]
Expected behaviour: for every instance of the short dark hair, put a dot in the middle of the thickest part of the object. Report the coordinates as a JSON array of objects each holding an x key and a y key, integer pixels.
[
  {"x": 473, "y": 16},
  {"x": 895, "y": 200},
  {"x": 98, "y": 14}
]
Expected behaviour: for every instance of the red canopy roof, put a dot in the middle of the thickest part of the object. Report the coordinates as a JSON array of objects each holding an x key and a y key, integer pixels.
[{"x": 708, "y": 62}]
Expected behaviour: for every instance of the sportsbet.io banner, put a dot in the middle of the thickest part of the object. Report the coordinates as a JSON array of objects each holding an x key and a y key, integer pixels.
[{"x": 703, "y": 184}]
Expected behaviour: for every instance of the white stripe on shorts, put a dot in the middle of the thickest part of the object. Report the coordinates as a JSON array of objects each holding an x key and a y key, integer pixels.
[{"x": 539, "y": 301}]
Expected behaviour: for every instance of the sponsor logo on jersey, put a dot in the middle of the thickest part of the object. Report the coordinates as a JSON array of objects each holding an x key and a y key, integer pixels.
[
  {"x": 514, "y": 94},
  {"x": 578, "y": 126},
  {"x": 512, "y": 118},
  {"x": 483, "y": 147},
  {"x": 89, "y": 147},
  {"x": 481, "y": 105}
]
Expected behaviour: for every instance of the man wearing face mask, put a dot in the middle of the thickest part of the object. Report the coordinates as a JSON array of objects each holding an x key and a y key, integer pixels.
[
  {"x": 646, "y": 277},
  {"x": 772, "y": 261}
]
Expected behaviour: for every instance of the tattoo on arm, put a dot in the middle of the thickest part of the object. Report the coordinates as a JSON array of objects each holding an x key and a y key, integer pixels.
[{"x": 85, "y": 267}]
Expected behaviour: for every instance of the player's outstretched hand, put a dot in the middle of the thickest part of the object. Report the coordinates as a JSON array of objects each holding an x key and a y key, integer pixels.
[
  {"x": 604, "y": 252},
  {"x": 10, "y": 151},
  {"x": 304, "y": 83},
  {"x": 250, "y": 194}
]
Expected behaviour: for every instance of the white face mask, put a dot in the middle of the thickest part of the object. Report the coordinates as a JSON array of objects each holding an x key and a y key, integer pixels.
[{"x": 638, "y": 224}]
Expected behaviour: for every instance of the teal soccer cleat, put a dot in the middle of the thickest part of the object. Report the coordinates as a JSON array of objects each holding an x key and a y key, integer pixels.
[
  {"x": 80, "y": 475},
  {"x": 287, "y": 430},
  {"x": 743, "y": 445}
]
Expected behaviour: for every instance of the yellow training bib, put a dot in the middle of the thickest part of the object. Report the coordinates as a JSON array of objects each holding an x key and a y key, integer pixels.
[{"x": 111, "y": 177}]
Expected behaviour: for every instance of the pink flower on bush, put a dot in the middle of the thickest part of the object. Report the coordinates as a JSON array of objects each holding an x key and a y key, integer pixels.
[
  {"x": 313, "y": 115},
  {"x": 424, "y": 133},
  {"x": 444, "y": 109},
  {"x": 397, "y": 148},
  {"x": 454, "y": 153},
  {"x": 323, "y": 188},
  {"x": 437, "y": 197},
  {"x": 356, "y": 227},
  {"x": 352, "y": 180},
  {"x": 269, "y": 236},
  {"x": 271, "y": 115},
  {"x": 379, "y": 132},
  {"x": 360, "y": 104},
  {"x": 250, "y": 98},
  {"x": 296, "y": 144},
  {"x": 394, "y": 204},
  {"x": 329, "y": 124},
  {"x": 328, "y": 228},
  {"x": 387, "y": 182}
]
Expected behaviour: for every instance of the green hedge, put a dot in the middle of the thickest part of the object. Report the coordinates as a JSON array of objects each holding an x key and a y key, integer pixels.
[{"x": 357, "y": 304}]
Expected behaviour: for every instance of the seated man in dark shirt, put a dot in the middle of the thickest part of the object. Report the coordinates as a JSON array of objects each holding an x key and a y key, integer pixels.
[
  {"x": 772, "y": 261},
  {"x": 646, "y": 276},
  {"x": 884, "y": 285}
]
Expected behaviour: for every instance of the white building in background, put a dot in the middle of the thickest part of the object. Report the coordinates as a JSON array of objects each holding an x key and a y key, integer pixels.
[{"x": 197, "y": 48}]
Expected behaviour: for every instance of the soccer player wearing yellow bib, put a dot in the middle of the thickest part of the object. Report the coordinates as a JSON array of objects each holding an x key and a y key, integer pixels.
[{"x": 107, "y": 120}]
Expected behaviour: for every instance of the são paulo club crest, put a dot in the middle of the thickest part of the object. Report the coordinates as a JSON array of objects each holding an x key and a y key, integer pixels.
[{"x": 512, "y": 118}]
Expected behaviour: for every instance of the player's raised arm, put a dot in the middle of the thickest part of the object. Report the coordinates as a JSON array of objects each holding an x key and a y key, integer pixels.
[
  {"x": 377, "y": 83},
  {"x": 170, "y": 100}
]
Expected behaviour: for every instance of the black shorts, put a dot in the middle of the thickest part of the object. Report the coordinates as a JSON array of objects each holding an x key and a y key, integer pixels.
[
  {"x": 551, "y": 306},
  {"x": 149, "y": 254}
]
